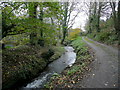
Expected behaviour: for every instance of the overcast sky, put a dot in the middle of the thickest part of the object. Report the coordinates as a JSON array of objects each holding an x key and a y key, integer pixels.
[{"x": 81, "y": 19}]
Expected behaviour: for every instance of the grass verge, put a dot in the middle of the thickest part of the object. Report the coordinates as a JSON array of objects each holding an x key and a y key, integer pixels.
[
  {"x": 72, "y": 76},
  {"x": 106, "y": 36}
]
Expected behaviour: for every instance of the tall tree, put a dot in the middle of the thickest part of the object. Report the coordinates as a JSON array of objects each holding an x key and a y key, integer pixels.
[
  {"x": 119, "y": 14},
  {"x": 119, "y": 22},
  {"x": 115, "y": 15},
  {"x": 8, "y": 18},
  {"x": 98, "y": 16},
  {"x": 64, "y": 25},
  {"x": 33, "y": 16},
  {"x": 90, "y": 18},
  {"x": 67, "y": 22},
  {"x": 41, "y": 18}
]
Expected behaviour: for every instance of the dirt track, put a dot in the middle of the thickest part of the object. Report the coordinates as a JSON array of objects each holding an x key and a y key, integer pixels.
[{"x": 104, "y": 73}]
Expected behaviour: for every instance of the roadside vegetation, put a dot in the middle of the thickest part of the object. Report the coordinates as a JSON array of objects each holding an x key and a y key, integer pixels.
[
  {"x": 105, "y": 30},
  {"x": 33, "y": 34},
  {"x": 107, "y": 34},
  {"x": 71, "y": 76}
]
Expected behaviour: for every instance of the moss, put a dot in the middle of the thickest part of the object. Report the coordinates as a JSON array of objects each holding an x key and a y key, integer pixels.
[
  {"x": 20, "y": 64},
  {"x": 25, "y": 62},
  {"x": 23, "y": 70},
  {"x": 58, "y": 51}
]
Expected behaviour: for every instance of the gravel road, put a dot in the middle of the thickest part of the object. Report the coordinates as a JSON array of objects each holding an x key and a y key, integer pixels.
[{"x": 104, "y": 73}]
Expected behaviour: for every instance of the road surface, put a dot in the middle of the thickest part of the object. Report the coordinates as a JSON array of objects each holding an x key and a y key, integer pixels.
[{"x": 104, "y": 73}]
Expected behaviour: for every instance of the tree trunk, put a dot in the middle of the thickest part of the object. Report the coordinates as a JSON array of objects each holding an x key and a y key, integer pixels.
[
  {"x": 90, "y": 21},
  {"x": 119, "y": 15},
  {"x": 118, "y": 22},
  {"x": 90, "y": 18},
  {"x": 98, "y": 17},
  {"x": 41, "y": 19},
  {"x": 64, "y": 26},
  {"x": 32, "y": 14},
  {"x": 113, "y": 6}
]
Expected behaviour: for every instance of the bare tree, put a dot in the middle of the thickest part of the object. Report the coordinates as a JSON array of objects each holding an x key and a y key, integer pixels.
[{"x": 67, "y": 22}]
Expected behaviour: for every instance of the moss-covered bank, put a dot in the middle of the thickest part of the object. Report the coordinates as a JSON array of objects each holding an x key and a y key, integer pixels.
[
  {"x": 71, "y": 76},
  {"x": 24, "y": 63}
]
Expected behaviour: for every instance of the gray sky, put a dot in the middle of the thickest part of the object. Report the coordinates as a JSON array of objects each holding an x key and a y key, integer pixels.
[{"x": 81, "y": 19}]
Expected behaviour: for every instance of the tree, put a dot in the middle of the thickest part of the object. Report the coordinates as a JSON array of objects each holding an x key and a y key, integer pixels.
[
  {"x": 67, "y": 22},
  {"x": 98, "y": 16},
  {"x": 115, "y": 15},
  {"x": 96, "y": 9},
  {"x": 8, "y": 18},
  {"x": 33, "y": 16},
  {"x": 64, "y": 25},
  {"x": 119, "y": 22}
]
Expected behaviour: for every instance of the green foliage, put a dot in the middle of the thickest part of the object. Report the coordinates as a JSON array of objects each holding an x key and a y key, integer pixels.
[
  {"x": 78, "y": 43},
  {"x": 73, "y": 74},
  {"x": 73, "y": 70},
  {"x": 58, "y": 51},
  {"x": 74, "y": 33},
  {"x": 107, "y": 35},
  {"x": 25, "y": 62},
  {"x": 18, "y": 24},
  {"x": 20, "y": 64},
  {"x": 20, "y": 39},
  {"x": 8, "y": 47}
]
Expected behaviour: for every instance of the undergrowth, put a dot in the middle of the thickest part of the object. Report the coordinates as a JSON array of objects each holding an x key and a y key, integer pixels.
[
  {"x": 72, "y": 75},
  {"x": 24, "y": 63}
]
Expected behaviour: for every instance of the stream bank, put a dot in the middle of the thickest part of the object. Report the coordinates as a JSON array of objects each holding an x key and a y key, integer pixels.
[
  {"x": 71, "y": 76},
  {"x": 22, "y": 64},
  {"x": 53, "y": 69}
]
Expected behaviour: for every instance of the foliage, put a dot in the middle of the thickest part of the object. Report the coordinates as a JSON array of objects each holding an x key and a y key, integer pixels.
[
  {"x": 58, "y": 51},
  {"x": 78, "y": 43},
  {"x": 102, "y": 30},
  {"x": 20, "y": 39},
  {"x": 24, "y": 63},
  {"x": 73, "y": 33},
  {"x": 73, "y": 70},
  {"x": 72, "y": 75},
  {"x": 19, "y": 64},
  {"x": 15, "y": 22},
  {"x": 107, "y": 34}
]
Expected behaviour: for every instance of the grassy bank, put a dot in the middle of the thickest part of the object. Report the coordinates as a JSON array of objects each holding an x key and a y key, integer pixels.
[
  {"x": 71, "y": 76},
  {"x": 107, "y": 33},
  {"x": 105, "y": 37},
  {"x": 23, "y": 63}
]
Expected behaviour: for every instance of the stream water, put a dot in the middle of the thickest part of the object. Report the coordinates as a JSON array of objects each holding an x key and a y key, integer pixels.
[{"x": 57, "y": 66}]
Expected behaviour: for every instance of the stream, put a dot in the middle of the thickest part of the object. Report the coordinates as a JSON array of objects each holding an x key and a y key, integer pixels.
[{"x": 57, "y": 66}]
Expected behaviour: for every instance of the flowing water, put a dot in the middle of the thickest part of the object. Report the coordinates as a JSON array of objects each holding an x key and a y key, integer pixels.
[{"x": 67, "y": 59}]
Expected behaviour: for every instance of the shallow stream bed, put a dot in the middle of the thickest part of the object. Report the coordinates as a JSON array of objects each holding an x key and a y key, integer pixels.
[{"x": 57, "y": 66}]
